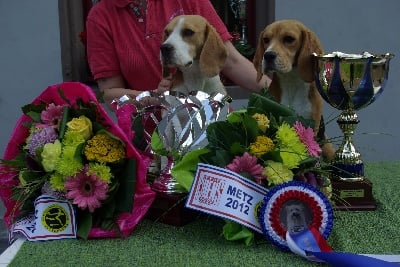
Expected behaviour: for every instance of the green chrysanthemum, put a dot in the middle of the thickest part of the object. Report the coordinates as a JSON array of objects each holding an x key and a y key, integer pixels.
[
  {"x": 72, "y": 138},
  {"x": 276, "y": 173},
  {"x": 69, "y": 164},
  {"x": 101, "y": 170},
  {"x": 292, "y": 150},
  {"x": 57, "y": 181},
  {"x": 286, "y": 135}
]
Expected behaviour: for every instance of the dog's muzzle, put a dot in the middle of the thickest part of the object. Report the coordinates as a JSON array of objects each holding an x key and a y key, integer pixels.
[{"x": 269, "y": 59}]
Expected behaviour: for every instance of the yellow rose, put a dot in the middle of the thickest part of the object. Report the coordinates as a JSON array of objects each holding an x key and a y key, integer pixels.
[{"x": 81, "y": 125}]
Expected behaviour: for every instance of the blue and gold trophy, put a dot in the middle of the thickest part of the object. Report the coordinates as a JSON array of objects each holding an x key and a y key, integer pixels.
[{"x": 350, "y": 82}]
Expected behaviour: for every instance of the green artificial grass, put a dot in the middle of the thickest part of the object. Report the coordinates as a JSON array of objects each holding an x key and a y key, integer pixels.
[{"x": 200, "y": 243}]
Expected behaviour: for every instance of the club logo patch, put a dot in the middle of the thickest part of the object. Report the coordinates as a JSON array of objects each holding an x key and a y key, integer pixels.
[{"x": 55, "y": 218}]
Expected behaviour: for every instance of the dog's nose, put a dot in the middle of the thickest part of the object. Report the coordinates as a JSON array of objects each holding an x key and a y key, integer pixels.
[
  {"x": 270, "y": 56},
  {"x": 166, "y": 49}
]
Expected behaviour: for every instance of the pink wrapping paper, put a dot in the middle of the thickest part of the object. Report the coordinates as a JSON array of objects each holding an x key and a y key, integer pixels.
[{"x": 144, "y": 196}]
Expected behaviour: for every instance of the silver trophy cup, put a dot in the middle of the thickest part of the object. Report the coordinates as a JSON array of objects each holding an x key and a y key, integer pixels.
[{"x": 183, "y": 129}]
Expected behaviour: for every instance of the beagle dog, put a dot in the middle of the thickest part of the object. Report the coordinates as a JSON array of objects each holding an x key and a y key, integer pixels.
[
  {"x": 194, "y": 53},
  {"x": 284, "y": 52}
]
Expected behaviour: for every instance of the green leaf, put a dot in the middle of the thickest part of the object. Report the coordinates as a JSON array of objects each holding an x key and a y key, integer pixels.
[
  {"x": 84, "y": 224},
  {"x": 233, "y": 231},
  {"x": 184, "y": 170},
  {"x": 251, "y": 127},
  {"x": 126, "y": 190},
  {"x": 63, "y": 123},
  {"x": 222, "y": 134},
  {"x": 219, "y": 157},
  {"x": 157, "y": 145},
  {"x": 33, "y": 111},
  {"x": 35, "y": 116},
  {"x": 236, "y": 116},
  {"x": 261, "y": 104},
  {"x": 273, "y": 155},
  {"x": 19, "y": 161}
]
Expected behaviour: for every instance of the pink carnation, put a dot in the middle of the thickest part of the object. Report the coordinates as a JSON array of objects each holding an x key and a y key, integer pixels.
[
  {"x": 306, "y": 136},
  {"x": 52, "y": 115},
  {"x": 246, "y": 164}
]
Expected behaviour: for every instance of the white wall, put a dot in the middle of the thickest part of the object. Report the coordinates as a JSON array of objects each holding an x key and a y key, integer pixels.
[
  {"x": 30, "y": 56},
  {"x": 357, "y": 26}
]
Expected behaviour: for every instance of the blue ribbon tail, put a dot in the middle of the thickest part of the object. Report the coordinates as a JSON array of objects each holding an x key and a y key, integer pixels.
[{"x": 343, "y": 259}]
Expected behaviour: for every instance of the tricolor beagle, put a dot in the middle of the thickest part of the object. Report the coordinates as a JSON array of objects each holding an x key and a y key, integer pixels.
[
  {"x": 193, "y": 48},
  {"x": 284, "y": 51}
]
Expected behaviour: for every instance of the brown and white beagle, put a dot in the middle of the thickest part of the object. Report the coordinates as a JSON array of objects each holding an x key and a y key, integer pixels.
[
  {"x": 284, "y": 50},
  {"x": 193, "y": 48}
]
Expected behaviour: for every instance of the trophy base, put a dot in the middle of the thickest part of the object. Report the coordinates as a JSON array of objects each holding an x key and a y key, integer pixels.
[
  {"x": 353, "y": 195},
  {"x": 170, "y": 209}
]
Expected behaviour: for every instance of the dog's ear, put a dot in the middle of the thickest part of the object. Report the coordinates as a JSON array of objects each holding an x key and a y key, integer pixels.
[
  {"x": 310, "y": 44},
  {"x": 258, "y": 57},
  {"x": 214, "y": 53},
  {"x": 275, "y": 88},
  {"x": 165, "y": 71}
]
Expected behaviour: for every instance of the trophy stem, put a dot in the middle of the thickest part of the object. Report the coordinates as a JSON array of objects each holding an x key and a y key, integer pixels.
[
  {"x": 348, "y": 164},
  {"x": 165, "y": 183},
  {"x": 239, "y": 8},
  {"x": 243, "y": 38}
]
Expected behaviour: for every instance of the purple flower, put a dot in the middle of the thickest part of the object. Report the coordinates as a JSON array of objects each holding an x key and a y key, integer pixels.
[{"x": 39, "y": 137}]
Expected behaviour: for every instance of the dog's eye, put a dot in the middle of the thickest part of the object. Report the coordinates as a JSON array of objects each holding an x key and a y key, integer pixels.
[
  {"x": 187, "y": 33},
  {"x": 166, "y": 33},
  {"x": 266, "y": 40},
  {"x": 288, "y": 39}
]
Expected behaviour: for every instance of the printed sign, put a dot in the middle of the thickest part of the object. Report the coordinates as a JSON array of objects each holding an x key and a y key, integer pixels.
[{"x": 226, "y": 194}]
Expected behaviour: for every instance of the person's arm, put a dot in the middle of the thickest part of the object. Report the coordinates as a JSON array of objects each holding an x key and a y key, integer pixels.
[
  {"x": 242, "y": 72},
  {"x": 114, "y": 87}
]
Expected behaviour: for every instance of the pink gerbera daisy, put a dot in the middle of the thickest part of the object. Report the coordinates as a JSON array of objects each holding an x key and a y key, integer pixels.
[
  {"x": 86, "y": 190},
  {"x": 306, "y": 136},
  {"x": 246, "y": 164}
]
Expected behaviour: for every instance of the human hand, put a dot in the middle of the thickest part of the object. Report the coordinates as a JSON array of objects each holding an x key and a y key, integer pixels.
[{"x": 164, "y": 85}]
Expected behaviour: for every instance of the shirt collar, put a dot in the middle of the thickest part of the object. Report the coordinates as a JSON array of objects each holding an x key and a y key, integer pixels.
[{"x": 124, "y": 3}]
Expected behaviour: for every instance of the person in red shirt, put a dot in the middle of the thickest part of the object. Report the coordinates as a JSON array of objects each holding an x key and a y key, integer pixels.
[{"x": 123, "y": 45}]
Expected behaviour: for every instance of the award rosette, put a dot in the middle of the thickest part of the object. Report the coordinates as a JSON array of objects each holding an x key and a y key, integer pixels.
[{"x": 294, "y": 207}]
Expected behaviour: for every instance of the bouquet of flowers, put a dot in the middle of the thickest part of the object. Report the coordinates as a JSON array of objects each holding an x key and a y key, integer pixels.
[
  {"x": 66, "y": 147},
  {"x": 267, "y": 143}
]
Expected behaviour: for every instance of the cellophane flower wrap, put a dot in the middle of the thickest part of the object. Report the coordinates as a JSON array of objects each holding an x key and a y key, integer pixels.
[
  {"x": 66, "y": 145},
  {"x": 267, "y": 143}
]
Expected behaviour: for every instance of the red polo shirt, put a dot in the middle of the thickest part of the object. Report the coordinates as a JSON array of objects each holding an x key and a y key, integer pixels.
[{"x": 119, "y": 44}]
